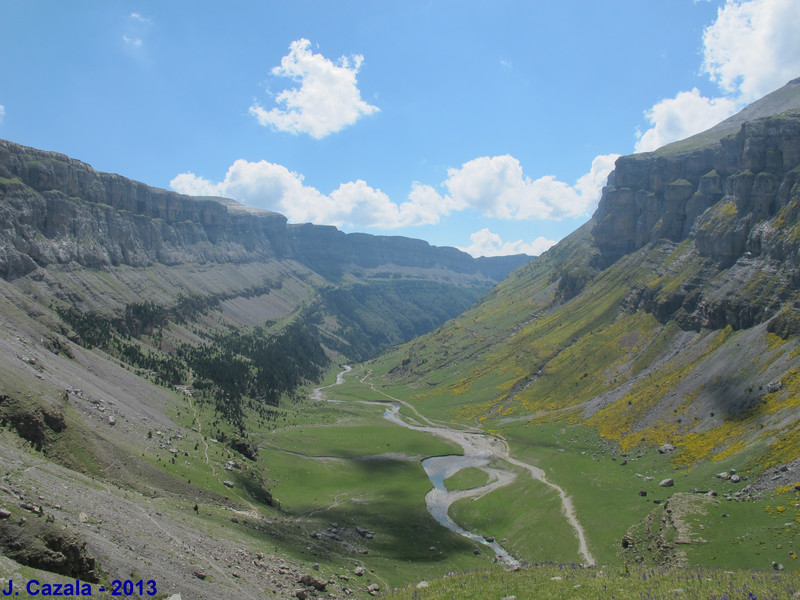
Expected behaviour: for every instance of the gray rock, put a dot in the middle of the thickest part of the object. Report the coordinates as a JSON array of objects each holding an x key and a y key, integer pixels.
[
  {"x": 669, "y": 482},
  {"x": 774, "y": 386},
  {"x": 315, "y": 582}
]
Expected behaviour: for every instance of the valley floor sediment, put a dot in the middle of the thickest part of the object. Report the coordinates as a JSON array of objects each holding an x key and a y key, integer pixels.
[{"x": 482, "y": 451}]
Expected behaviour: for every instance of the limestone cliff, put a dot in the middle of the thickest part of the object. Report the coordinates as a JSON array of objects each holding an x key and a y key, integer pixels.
[
  {"x": 670, "y": 318},
  {"x": 731, "y": 195},
  {"x": 56, "y": 209}
]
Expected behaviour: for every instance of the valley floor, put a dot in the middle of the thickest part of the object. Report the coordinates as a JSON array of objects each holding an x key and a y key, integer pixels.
[{"x": 351, "y": 508}]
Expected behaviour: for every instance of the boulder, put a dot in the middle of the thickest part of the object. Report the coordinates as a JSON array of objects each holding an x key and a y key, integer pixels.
[{"x": 315, "y": 582}]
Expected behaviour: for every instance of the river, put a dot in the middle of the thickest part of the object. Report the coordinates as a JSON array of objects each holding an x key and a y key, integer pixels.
[{"x": 481, "y": 451}]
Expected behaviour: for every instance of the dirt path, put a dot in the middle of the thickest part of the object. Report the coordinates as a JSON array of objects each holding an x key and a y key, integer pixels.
[
  {"x": 199, "y": 428},
  {"x": 566, "y": 504},
  {"x": 479, "y": 450}
]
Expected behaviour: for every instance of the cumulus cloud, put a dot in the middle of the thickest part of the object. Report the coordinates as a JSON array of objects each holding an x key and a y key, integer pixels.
[
  {"x": 486, "y": 243},
  {"x": 2, "y": 113},
  {"x": 327, "y": 100},
  {"x": 360, "y": 204},
  {"x": 677, "y": 118},
  {"x": 274, "y": 187},
  {"x": 262, "y": 184},
  {"x": 497, "y": 187},
  {"x": 494, "y": 186},
  {"x": 753, "y": 47}
]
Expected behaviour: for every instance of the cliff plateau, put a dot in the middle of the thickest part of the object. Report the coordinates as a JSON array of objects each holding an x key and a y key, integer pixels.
[{"x": 58, "y": 210}]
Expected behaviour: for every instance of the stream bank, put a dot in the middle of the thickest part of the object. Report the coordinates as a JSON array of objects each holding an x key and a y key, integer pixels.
[{"x": 482, "y": 451}]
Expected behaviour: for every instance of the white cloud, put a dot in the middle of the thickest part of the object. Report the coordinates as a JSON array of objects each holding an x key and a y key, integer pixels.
[
  {"x": 273, "y": 187},
  {"x": 137, "y": 27},
  {"x": 264, "y": 185},
  {"x": 497, "y": 187},
  {"x": 753, "y": 47},
  {"x": 590, "y": 186},
  {"x": 494, "y": 186},
  {"x": 132, "y": 41},
  {"x": 327, "y": 100},
  {"x": 486, "y": 243},
  {"x": 684, "y": 115},
  {"x": 361, "y": 205},
  {"x": 2, "y": 113},
  {"x": 137, "y": 17}
]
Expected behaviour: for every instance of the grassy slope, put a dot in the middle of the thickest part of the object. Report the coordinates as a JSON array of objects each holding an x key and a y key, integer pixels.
[
  {"x": 557, "y": 582},
  {"x": 157, "y": 450},
  {"x": 315, "y": 459},
  {"x": 549, "y": 377}
]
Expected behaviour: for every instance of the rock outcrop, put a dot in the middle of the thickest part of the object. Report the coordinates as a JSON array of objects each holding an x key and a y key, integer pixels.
[
  {"x": 720, "y": 197},
  {"x": 59, "y": 210},
  {"x": 731, "y": 196}
]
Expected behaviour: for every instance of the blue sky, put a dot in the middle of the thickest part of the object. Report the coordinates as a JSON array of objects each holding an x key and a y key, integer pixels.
[{"x": 485, "y": 125}]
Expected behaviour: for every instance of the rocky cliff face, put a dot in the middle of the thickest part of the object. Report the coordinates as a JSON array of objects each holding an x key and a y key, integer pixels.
[
  {"x": 59, "y": 210},
  {"x": 667, "y": 319},
  {"x": 721, "y": 197},
  {"x": 731, "y": 202}
]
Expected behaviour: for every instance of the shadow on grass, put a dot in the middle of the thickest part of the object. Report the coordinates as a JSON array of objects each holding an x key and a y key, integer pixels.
[{"x": 407, "y": 535}]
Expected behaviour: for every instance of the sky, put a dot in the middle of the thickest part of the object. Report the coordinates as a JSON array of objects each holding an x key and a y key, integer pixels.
[{"x": 487, "y": 125}]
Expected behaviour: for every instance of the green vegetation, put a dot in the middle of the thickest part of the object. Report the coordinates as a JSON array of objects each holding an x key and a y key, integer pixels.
[
  {"x": 557, "y": 582},
  {"x": 466, "y": 479},
  {"x": 527, "y": 516},
  {"x": 383, "y": 313},
  {"x": 676, "y": 363}
]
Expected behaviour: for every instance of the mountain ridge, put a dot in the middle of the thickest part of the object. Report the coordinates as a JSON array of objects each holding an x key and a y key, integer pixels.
[
  {"x": 622, "y": 324},
  {"x": 784, "y": 99},
  {"x": 46, "y": 191},
  {"x": 156, "y": 351}
]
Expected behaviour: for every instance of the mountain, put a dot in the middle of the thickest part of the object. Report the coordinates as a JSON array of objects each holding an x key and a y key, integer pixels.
[
  {"x": 671, "y": 318},
  {"x": 156, "y": 350},
  {"x": 669, "y": 321},
  {"x": 62, "y": 223},
  {"x": 58, "y": 210},
  {"x": 135, "y": 318},
  {"x": 688, "y": 272}
]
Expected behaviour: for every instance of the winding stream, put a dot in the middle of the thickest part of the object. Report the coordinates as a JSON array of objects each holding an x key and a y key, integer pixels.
[{"x": 482, "y": 451}]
